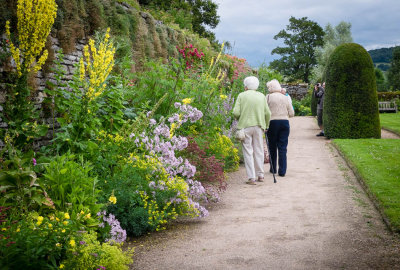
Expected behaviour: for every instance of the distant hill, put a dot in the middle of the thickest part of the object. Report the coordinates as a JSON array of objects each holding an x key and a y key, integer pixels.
[{"x": 383, "y": 55}]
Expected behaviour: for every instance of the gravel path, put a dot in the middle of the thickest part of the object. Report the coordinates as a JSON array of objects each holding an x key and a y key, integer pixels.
[{"x": 316, "y": 217}]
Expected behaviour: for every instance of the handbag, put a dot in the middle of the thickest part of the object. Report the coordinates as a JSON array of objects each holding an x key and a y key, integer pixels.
[{"x": 240, "y": 135}]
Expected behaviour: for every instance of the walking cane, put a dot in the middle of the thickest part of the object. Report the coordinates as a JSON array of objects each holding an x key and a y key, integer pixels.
[{"x": 270, "y": 160}]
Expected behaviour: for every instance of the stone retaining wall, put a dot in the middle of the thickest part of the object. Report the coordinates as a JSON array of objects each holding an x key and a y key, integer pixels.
[{"x": 296, "y": 91}]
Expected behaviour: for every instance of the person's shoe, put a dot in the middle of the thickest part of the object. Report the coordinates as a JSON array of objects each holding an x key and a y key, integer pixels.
[
  {"x": 270, "y": 170},
  {"x": 281, "y": 174},
  {"x": 320, "y": 134},
  {"x": 260, "y": 179},
  {"x": 251, "y": 182}
]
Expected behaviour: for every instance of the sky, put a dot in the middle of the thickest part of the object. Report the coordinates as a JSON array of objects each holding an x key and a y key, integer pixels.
[{"x": 250, "y": 25}]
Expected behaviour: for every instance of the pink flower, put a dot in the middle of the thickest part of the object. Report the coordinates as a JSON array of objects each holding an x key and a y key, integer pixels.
[{"x": 34, "y": 161}]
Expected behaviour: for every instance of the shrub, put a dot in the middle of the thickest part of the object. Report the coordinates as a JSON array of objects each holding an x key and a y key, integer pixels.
[
  {"x": 147, "y": 196},
  {"x": 209, "y": 170},
  {"x": 223, "y": 149},
  {"x": 313, "y": 103},
  {"x": 37, "y": 242},
  {"x": 85, "y": 252},
  {"x": 388, "y": 96},
  {"x": 351, "y": 105},
  {"x": 69, "y": 184}
]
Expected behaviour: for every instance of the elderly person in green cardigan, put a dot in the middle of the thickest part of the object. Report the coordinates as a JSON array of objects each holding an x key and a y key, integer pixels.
[{"x": 252, "y": 110}]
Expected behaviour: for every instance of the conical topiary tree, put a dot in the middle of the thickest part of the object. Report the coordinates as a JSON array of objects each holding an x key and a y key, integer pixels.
[{"x": 351, "y": 103}]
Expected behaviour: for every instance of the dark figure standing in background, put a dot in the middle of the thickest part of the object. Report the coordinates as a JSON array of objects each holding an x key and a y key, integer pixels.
[{"x": 319, "y": 92}]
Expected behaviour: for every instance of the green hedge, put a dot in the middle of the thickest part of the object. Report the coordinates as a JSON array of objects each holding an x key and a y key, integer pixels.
[
  {"x": 388, "y": 96},
  {"x": 351, "y": 104}
]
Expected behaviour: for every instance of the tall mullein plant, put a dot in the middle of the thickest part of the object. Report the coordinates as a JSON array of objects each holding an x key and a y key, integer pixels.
[
  {"x": 80, "y": 119},
  {"x": 26, "y": 48}
]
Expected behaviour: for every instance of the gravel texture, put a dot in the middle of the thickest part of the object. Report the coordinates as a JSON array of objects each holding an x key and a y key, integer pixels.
[{"x": 316, "y": 217}]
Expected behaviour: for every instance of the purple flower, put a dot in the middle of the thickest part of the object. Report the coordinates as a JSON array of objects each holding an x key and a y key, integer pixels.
[
  {"x": 117, "y": 234},
  {"x": 34, "y": 161},
  {"x": 82, "y": 242},
  {"x": 152, "y": 122}
]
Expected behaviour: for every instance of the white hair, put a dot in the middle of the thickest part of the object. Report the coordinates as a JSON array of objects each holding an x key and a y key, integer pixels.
[
  {"x": 251, "y": 83},
  {"x": 274, "y": 86}
]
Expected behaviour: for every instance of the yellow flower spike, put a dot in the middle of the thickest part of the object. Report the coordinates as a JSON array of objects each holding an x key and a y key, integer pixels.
[
  {"x": 61, "y": 266},
  {"x": 65, "y": 222},
  {"x": 66, "y": 216},
  {"x": 63, "y": 230},
  {"x": 35, "y": 20},
  {"x": 87, "y": 216}
]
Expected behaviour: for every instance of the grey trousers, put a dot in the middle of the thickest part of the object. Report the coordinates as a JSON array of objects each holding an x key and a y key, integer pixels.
[{"x": 253, "y": 152}]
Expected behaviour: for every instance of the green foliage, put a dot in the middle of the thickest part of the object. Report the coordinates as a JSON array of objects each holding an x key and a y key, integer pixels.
[
  {"x": 223, "y": 149},
  {"x": 381, "y": 85},
  {"x": 18, "y": 181},
  {"x": 350, "y": 104},
  {"x": 376, "y": 162},
  {"x": 265, "y": 74},
  {"x": 19, "y": 112},
  {"x": 32, "y": 241},
  {"x": 88, "y": 253},
  {"x": 302, "y": 107},
  {"x": 147, "y": 197},
  {"x": 69, "y": 184},
  {"x": 301, "y": 37},
  {"x": 313, "y": 101},
  {"x": 388, "y": 96},
  {"x": 202, "y": 14},
  {"x": 391, "y": 121},
  {"x": 157, "y": 80},
  {"x": 394, "y": 71},
  {"x": 333, "y": 37},
  {"x": 382, "y": 55}
]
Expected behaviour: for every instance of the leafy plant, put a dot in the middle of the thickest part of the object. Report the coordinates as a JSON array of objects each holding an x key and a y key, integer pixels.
[
  {"x": 81, "y": 109},
  {"x": 86, "y": 252},
  {"x": 209, "y": 170},
  {"x": 68, "y": 182},
  {"x": 19, "y": 184},
  {"x": 36, "y": 242}
]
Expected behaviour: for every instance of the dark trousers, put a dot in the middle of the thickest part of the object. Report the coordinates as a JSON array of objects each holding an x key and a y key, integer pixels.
[{"x": 278, "y": 136}]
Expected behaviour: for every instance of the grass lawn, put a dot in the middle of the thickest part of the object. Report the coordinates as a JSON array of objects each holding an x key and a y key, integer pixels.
[
  {"x": 391, "y": 121},
  {"x": 377, "y": 162}
]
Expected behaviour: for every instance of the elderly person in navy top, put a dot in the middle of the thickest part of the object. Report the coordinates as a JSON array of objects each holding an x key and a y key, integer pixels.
[
  {"x": 279, "y": 128},
  {"x": 253, "y": 113}
]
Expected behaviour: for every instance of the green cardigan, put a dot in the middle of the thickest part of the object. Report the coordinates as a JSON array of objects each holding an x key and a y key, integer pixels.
[{"x": 251, "y": 108}]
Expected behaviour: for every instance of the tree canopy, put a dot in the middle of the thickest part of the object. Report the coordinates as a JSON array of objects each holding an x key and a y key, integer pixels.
[
  {"x": 333, "y": 37},
  {"x": 300, "y": 37},
  {"x": 394, "y": 71},
  {"x": 203, "y": 13}
]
